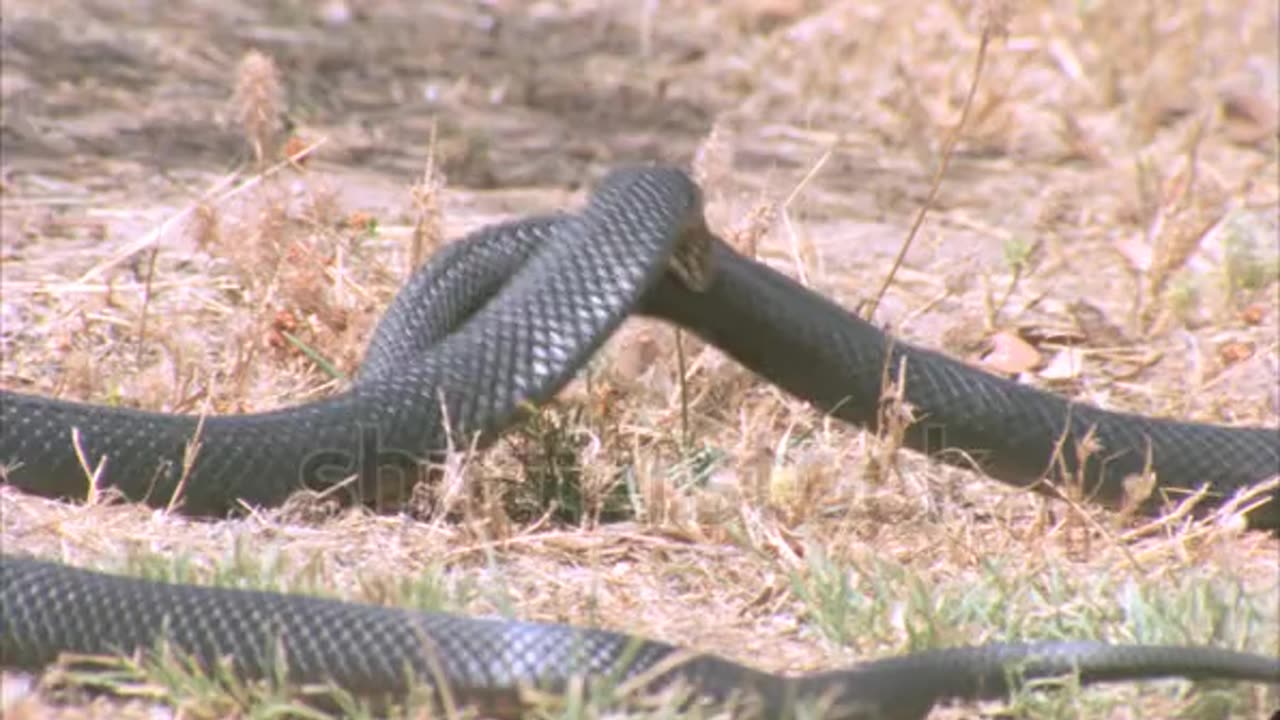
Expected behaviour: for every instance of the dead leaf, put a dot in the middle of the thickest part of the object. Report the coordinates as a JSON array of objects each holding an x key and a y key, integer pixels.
[
  {"x": 1250, "y": 116},
  {"x": 1235, "y": 352},
  {"x": 1039, "y": 334},
  {"x": 1254, "y": 314},
  {"x": 1094, "y": 324},
  {"x": 1067, "y": 364},
  {"x": 297, "y": 149},
  {"x": 1011, "y": 354}
]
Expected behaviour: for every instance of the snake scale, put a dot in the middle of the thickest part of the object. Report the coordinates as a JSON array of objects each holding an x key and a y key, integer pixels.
[{"x": 500, "y": 321}]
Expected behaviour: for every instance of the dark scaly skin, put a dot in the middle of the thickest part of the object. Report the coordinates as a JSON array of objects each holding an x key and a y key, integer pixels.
[
  {"x": 964, "y": 416},
  {"x": 48, "y": 607},
  {"x": 505, "y": 318},
  {"x": 500, "y": 320}
]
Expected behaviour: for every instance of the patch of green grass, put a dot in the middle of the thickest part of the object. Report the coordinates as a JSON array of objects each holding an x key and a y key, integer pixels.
[
  {"x": 1250, "y": 262},
  {"x": 167, "y": 677},
  {"x": 246, "y": 567},
  {"x": 1183, "y": 296},
  {"x": 880, "y": 603},
  {"x": 550, "y": 449}
]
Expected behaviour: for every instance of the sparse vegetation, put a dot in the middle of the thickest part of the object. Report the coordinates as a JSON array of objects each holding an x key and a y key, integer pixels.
[{"x": 728, "y": 517}]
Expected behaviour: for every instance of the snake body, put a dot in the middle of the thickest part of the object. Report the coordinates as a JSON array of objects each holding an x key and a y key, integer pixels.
[
  {"x": 368, "y": 649},
  {"x": 502, "y": 320}
]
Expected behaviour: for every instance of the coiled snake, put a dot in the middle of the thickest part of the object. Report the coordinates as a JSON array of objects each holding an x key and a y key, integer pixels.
[{"x": 501, "y": 320}]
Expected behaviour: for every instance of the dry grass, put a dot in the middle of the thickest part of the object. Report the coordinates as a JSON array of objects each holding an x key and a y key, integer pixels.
[{"x": 1112, "y": 194}]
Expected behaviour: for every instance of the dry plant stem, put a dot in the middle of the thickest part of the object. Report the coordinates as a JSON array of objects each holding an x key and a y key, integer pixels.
[
  {"x": 686, "y": 439},
  {"x": 947, "y": 149},
  {"x": 259, "y": 97},
  {"x": 153, "y": 237},
  {"x": 1168, "y": 236},
  {"x": 796, "y": 256},
  {"x": 895, "y": 416},
  {"x": 722, "y": 582},
  {"x": 1009, "y": 290},
  {"x": 146, "y": 303},
  {"x": 188, "y": 462},
  {"x": 426, "y": 199},
  {"x": 92, "y": 474}
]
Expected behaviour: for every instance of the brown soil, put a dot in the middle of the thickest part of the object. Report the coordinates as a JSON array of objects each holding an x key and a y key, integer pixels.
[{"x": 1114, "y": 185}]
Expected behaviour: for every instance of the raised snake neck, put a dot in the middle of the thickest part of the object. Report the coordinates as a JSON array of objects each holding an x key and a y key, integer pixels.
[{"x": 503, "y": 319}]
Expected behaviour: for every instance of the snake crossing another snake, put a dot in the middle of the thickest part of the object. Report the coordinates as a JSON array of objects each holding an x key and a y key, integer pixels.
[{"x": 500, "y": 321}]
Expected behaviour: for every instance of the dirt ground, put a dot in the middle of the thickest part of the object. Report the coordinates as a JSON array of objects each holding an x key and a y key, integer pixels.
[{"x": 1111, "y": 206}]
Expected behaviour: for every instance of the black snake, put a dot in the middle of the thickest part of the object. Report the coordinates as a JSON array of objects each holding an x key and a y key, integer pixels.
[{"x": 500, "y": 321}]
